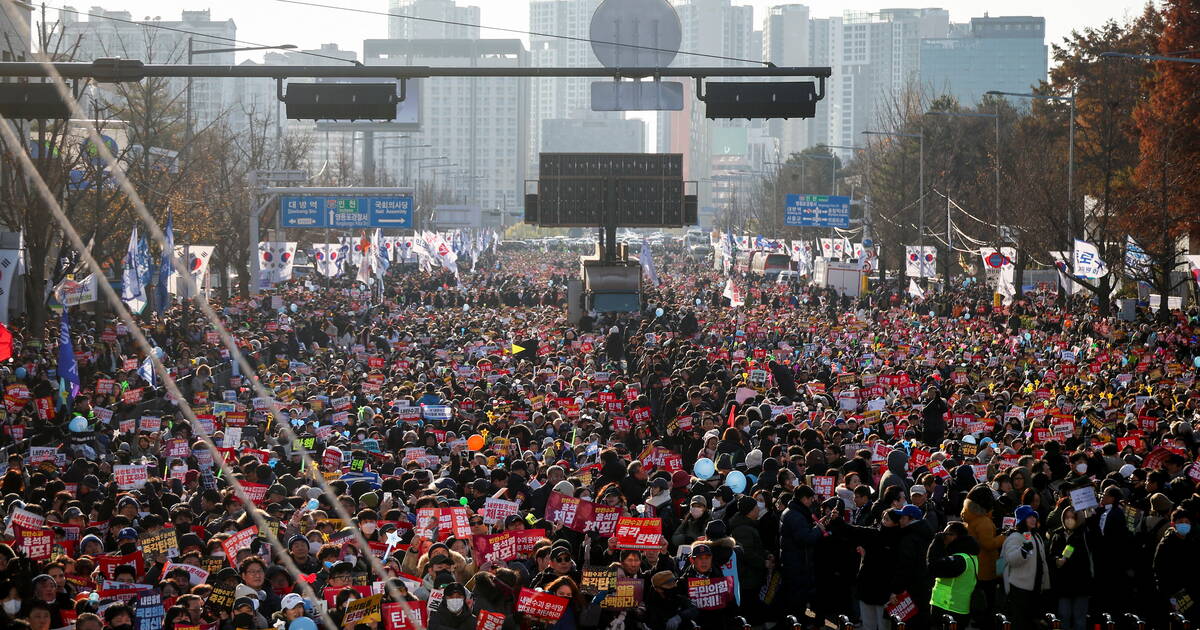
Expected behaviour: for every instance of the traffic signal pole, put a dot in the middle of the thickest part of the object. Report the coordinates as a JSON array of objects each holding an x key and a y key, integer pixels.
[{"x": 120, "y": 70}]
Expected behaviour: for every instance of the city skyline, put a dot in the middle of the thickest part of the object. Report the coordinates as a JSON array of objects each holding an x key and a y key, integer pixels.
[{"x": 258, "y": 21}]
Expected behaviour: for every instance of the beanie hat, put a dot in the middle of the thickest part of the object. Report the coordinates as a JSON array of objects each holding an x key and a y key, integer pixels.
[
  {"x": 716, "y": 529},
  {"x": 1024, "y": 512},
  {"x": 754, "y": 458}
]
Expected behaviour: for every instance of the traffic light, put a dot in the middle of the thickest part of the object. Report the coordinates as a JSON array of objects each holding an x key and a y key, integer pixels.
[
  {"x": 341, "y": 101},
  {"x": 32, "y": 101},
  {"x": 793, "y": 99}
]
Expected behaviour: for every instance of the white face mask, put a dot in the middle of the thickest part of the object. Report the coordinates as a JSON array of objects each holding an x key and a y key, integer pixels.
[
  {"x": 762, "y": 508},
  {"x": 454, "y": 604},
  {"x": 716, "y": 503},
  {"x": 314, "y": 547},
  {"x": 1081, "y": 468},
  {"x": 352, "y": 559},
  {"x": 696, "y": 512},
  {"x": 368, "y": 528},
  {"x": 12, "y": 606}
]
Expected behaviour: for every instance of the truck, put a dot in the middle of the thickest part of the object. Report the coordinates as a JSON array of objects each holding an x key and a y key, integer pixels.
[
  {"x": 606, "y": 286},
  {"x": 769, "y": 264},
  {"x": 845, "y": 278}
]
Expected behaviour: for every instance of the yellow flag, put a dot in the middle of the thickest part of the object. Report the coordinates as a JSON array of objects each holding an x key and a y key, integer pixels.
[{"x": 516, "y": 348}]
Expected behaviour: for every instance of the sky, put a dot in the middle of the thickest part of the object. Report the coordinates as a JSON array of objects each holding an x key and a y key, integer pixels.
[{"x": 274, "y": 22}]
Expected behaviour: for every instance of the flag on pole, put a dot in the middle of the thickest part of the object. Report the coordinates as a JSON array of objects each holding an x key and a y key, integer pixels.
[
  {"x": 647, "y": 262},
  {"x": 6, "y": 343},
  {"x": 133, "y": 288},
  {"x": 382, "y": 262},
  {"x": 146, "y": 369},
  {"x": 67, "y": 369},
  {"x": 165, "y": 266},
  {"x": 366, "y": 269},
  {"x": 733, "y": 293},
  {"x": 914, "y": 289},
  {"x": 1087, "y": 261}
]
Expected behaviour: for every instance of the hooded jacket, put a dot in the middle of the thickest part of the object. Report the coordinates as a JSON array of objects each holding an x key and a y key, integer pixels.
[
  {"x": 895, "y": 474},
  {"x": 983, "y": 530}
]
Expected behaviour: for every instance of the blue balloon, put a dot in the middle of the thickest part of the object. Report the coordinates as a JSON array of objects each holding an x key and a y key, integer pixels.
[
  {"x": 313, "y": 504},
  {"x": 736, "y": 480},
  {"x": 302, "y": 623},
  {"x": 658, "y": 312},
  {"x": 704, "y": 468},
  {"x": 78, "y": 424},
  {"x": 20, "y": 372}
]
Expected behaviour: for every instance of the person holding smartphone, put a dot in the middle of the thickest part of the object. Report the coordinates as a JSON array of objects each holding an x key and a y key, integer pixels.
[{"x": 1072, "y": 570}]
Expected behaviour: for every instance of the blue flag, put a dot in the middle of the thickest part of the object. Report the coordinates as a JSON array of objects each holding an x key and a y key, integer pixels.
[
  {"x": 165, "y": 269},
  {"x": 67, "y": 370}
]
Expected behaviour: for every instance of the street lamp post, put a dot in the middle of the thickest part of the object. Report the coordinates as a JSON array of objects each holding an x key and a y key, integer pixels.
[
  {"x": 407, "y": 153},
  {"x": 996, "y": 159},
  {"x": 192, "y": 52},
  {"x": 1070, "y": 149}
]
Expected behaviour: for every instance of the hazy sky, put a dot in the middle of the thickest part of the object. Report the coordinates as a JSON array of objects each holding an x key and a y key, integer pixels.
[{"x": 273, "y": 22}]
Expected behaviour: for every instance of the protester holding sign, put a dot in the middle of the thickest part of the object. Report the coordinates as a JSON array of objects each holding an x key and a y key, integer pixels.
[{"x": 373, "y": 453}]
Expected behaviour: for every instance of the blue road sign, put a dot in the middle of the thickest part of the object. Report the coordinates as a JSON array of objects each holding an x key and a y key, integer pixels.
[
  {"x": 346, "y": 211},
  {"x": 817, "y": 211}
]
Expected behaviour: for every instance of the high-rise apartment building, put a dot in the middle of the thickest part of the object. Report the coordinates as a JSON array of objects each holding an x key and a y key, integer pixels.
[
  {"x": 432, "y": 19},
  {"x": 786, "y": 42},
  {"x": 557, "y": 103},
  {"x": 991, "y": 53},
  {"x": 257, "y": 104},
  {"x": 158, "y": 41},
  {"x": 720, "y": 28},
  {"x": 481, "y": 125}
]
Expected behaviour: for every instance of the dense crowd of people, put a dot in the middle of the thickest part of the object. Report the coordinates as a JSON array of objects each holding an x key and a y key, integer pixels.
[{"x": 452, "y": 453}]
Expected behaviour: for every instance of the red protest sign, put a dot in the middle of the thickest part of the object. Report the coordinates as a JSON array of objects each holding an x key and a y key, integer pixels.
[
  {"x": 450, "y": 521},
  {"x": 500, "y": 547},
  {"x": 35, "y": 542},
  {"x": 256, "y": 492},
  {"x": 107, "y": 565},
  {"x": 823, "y": 486},
  {"x": 409, "y": 616},
  {"x": 710, "y": 593},
  {"x": 574, "y": 514},
  {"x": 45, "y": 407},
  {"x": 638, "y": 533},
  {"x": 604, "y": 519},
  {"x": 904, "y": 608},
  {"x": 235, "y": 543},
  {"x": 488, "y": 621},
  {"x": 539, "y": 605}
]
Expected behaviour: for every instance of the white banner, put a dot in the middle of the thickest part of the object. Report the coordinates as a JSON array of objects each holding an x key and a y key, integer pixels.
[
  {"x": 73, "y": 293},
  {"x": 196, "y": 260},
  {"x": 918, "y": 264},
  {"x": 276, "y": 260},
  {"x": 734, "y": 293},
  {"x": 1087, "y": 261},
  {"x": 1061, "y": 263},
  {"x": 1000, "y": 268},
  {"x": 9, "y": 259},
  {"x": 329, "y": 258}
]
